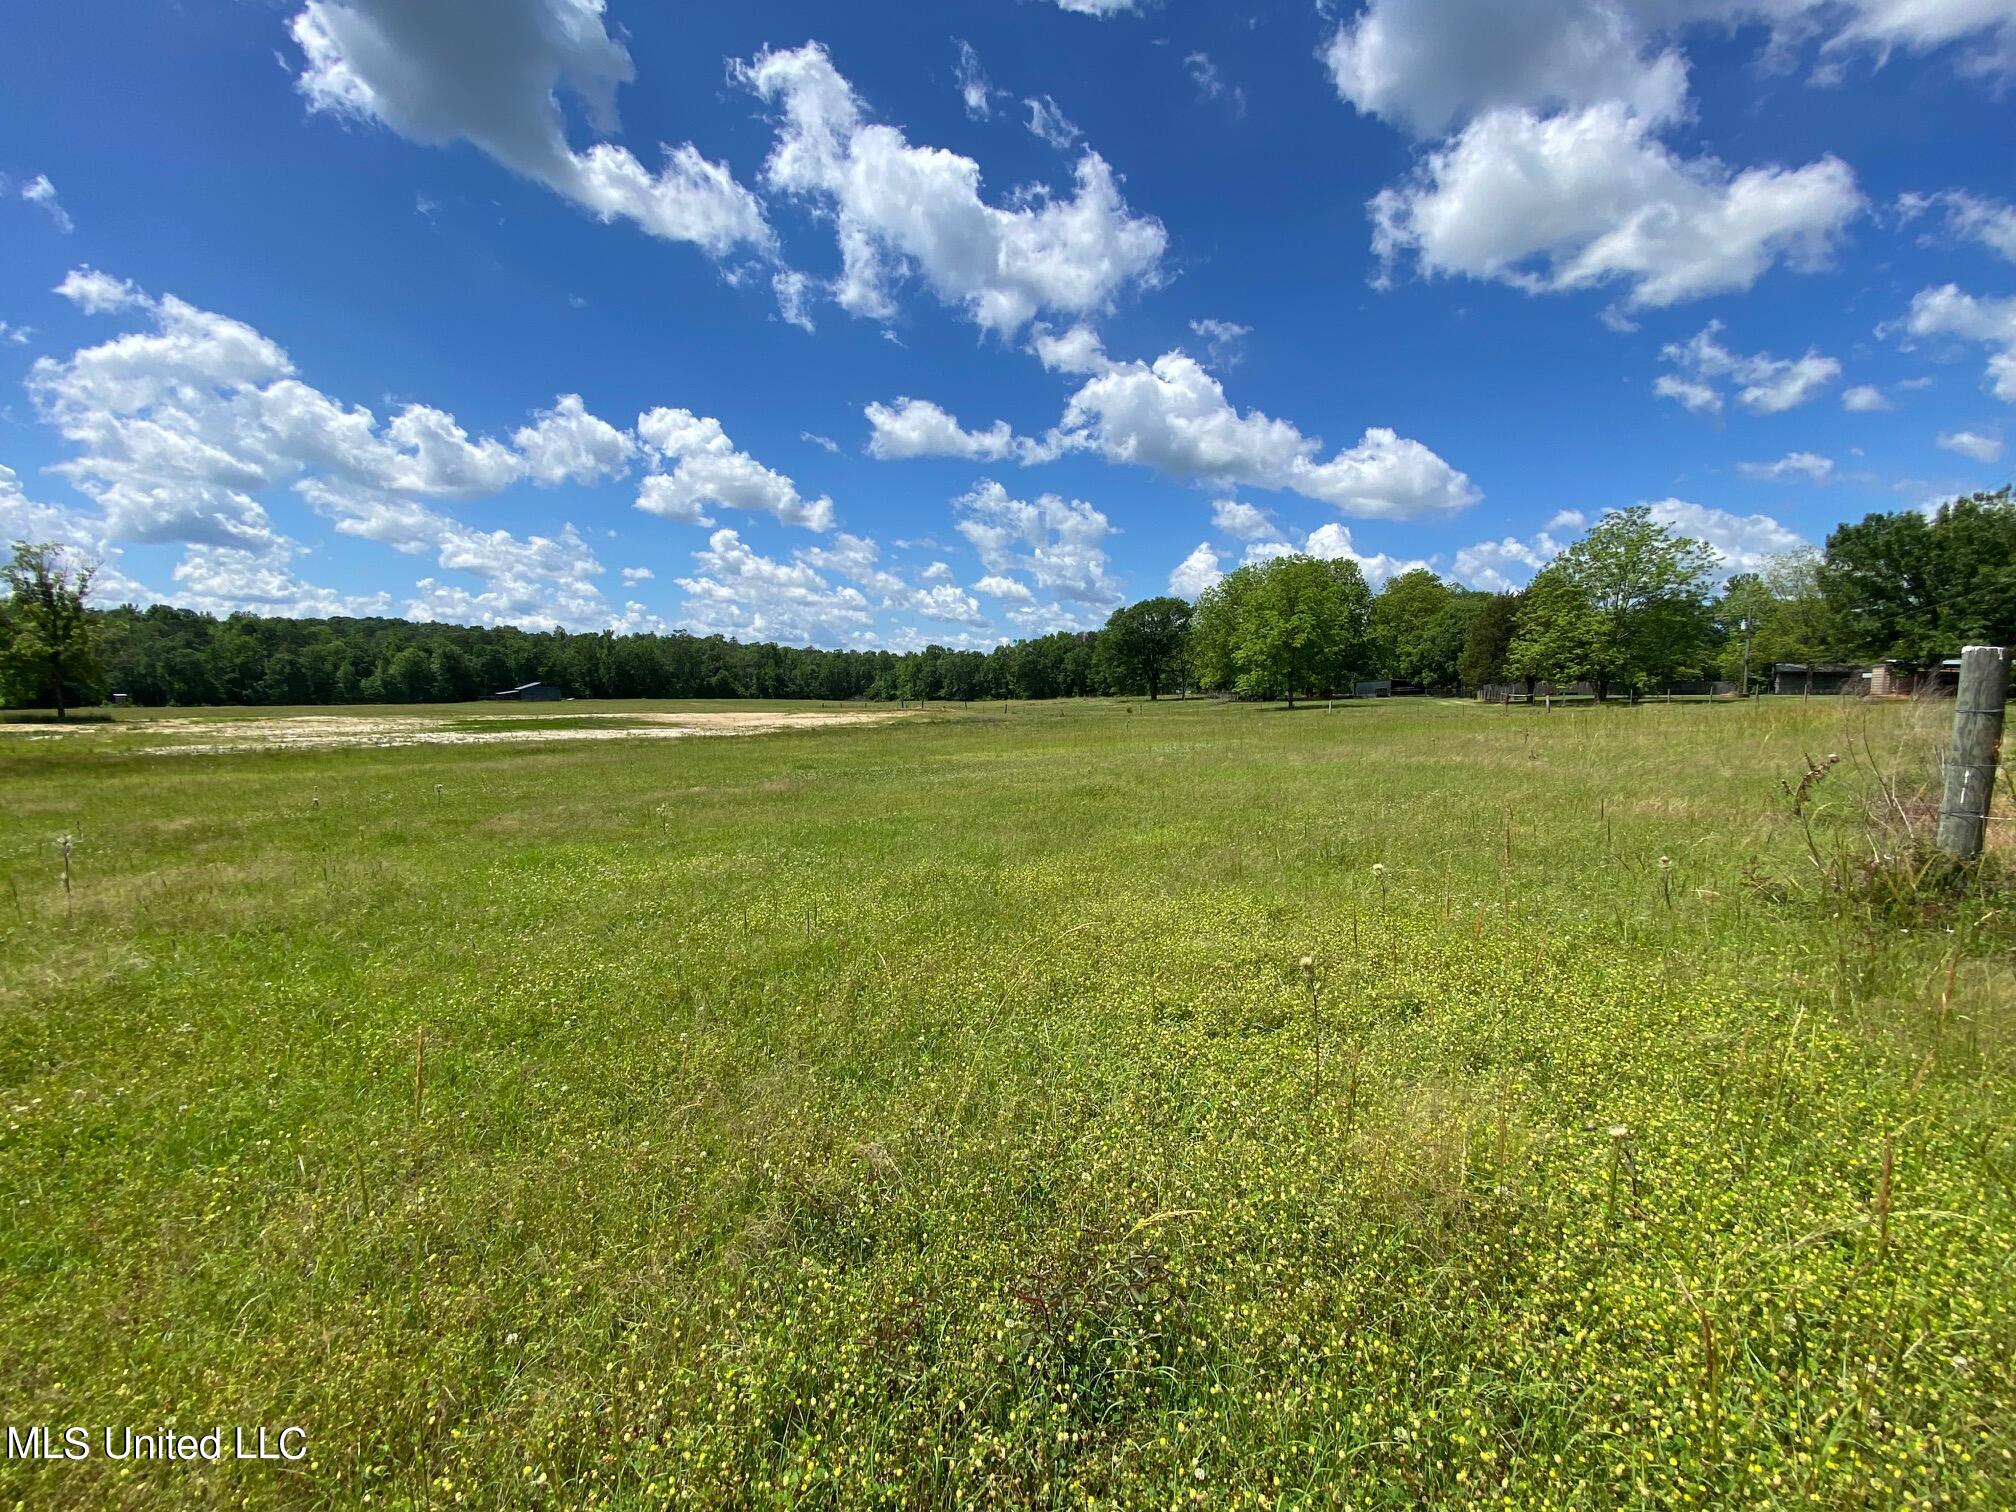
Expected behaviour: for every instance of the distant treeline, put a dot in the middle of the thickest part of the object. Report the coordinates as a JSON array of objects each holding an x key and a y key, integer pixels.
[{"x": 1631, "y": 607}]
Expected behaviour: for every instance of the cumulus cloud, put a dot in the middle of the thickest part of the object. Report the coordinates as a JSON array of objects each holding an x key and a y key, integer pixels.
[
  {"x": 695, "y": 465},
  {"x": 1244, "y": 521},
  {"x": 738, "y": 592},
  {"x": 1503, "y": 566},
  {"x": 919, "y": 428},
  {"x": 1743, "y": 542},
  {"x": 98, "y": 293},
  {"x": 1793, "y": 467},
  {"x": 1967, "y": 443},
  {"x": 635, "y": 575},
  {"x": 1766, "y": 385},
  {"x": 1100, "y": 8},
  {"x": 40, "y": 192},
  {"x": 1077, "y": 350},
  {"x": 1590, "y": 198},
  {"x": 1057, "y": 543},
  {"x": 566, "y": 444},
  {"x": 1172, "y": 415},
  {"x": 1430, "y": 65},
  {"x": 491, "y": 72},
  {"x": 1332, "y": 542},
  {"x": 901, "y": 211},
  {"x": 1864, "y": 399},
  {"x": 182, "y": 427},
  {"x": 1196, "y": 573},
  {"x": 1946, "y": 311}
]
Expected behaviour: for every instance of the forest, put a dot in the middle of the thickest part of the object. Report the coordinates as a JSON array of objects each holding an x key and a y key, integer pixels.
[{"x": 1631, "y": 608}]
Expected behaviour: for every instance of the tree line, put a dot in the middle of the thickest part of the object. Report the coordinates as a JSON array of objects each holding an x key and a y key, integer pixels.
[{"x": 1630, "y": 608}]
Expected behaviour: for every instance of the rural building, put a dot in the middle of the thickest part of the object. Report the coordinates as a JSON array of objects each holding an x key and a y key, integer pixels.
[
  {"x": 1894, "y": 680},
  {"x": 532, "y": 692},
  {"x": 1377, "y": 687},
  {"x": 1819, "y": 677}
]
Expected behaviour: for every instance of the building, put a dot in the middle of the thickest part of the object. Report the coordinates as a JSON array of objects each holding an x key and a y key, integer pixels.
[
  {"x": 532, "y": 692},
  {"x": 1894, "y": 679},
  {"x": 1373, "y": 687},
  {"x": 1819, "y": 677}
]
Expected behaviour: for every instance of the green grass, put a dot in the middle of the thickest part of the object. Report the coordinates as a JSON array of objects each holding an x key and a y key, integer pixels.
[{"x": 931, "y": 1114}]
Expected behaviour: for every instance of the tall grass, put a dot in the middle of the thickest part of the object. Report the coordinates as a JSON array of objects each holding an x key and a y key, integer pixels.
[{"x": 944, "y": 1114}]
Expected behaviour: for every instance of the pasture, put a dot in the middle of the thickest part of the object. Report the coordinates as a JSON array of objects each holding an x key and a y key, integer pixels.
[{"x": 937, "y": 1112}]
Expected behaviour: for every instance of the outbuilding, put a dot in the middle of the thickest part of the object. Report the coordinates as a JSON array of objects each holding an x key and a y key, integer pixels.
[{"x": 532, "y": 692}]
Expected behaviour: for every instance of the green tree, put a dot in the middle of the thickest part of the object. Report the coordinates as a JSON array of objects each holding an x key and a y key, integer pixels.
[
  {"x": 1420, "y": 625},
  {"x": 1308, "y": 627},
  {"x": 1916, "y": 589},
  {"x": 1637, "y": 615},
  {"x": 1562, "y": 636},
  {"x": 1488, "y": 641},
  {"x": 1143, "y": 644},
  {"x": 48, "y": 639}
]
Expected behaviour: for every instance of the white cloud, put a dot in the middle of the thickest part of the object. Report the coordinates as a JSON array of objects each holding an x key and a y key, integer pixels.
[
  {"x": 1431, "y": 65},
  {"x": 794, "y": 291},
  {"x": 532, "y": 581},
  {"x": 1057, "y": 542},
  {"x": 1196, "y": 573},
  {"x": 1048, "y": 123},
  {"x": 39, "y": 191},
  {"x": 635, "y": 575},
  {"x": 566, "y": 444},
  {"x": 974, "y": 90},
  {"x": 98, "y": 293},
  {"x": 1245, "y": 521},
  {"x": 1698, "y": 397},
  {"x": 1502, "y": 566},
  {"x": 824, "y": 443},
  {"x": 180, "y": 427},
  {"x": 1743, "y": 542},
  {"x": 706, "y": 469},
  {"x": 1984, "y": 449},
  {"x": 1211, "y": 84},
  {"x": 900, "y": 210},
  {"x": 1077, "y": 350},
  {"x": 1864, "y": 399},
  {"x": 738, "y": 592},
  {"x": 224, "y": 580},
  {"x": 1008, "y": 588},
  {"x": 491, "y": 72},
  {"x": 1793, "y": 467},
  {"x": 1589, "y": 198},
  {"x": 1100, "y": 8},
  {"x": 1946, "y": 311},
  {"x": 1568, "y": 519},
  {"x": 1172, "y": 415},
  {"x": 1990, "y": 222},
  {"x": 1332, "y": 542},
  {"x": 919, "y": 428},
  {"x": 1223, "y": 339},
  {"x": 1428, "y": 65},
  {"x": 1768, "y": 385}
]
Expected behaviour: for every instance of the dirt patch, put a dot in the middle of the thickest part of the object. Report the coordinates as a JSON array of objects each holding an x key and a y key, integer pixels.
[{"x": 332, "y": 732}]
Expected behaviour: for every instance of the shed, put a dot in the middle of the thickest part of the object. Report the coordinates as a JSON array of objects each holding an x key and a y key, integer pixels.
[
  {"x": 1377, "y": 687},
  {"x": 532, "y": 692},
  {"x": 1817, "y": 677}
]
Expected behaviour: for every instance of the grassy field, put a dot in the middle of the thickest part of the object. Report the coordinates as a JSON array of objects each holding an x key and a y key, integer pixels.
[{"x": 937, "y": 1113}]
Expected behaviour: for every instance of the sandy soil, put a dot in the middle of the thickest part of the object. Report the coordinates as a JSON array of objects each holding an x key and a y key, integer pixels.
[{"x": 329, "y": 732}]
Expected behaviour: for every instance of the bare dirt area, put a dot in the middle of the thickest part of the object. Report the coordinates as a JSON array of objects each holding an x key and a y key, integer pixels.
[{"x": 328, "y": 732}]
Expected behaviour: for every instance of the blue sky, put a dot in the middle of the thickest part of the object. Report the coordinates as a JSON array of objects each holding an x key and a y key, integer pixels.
[{"x": 879, "y": 326}]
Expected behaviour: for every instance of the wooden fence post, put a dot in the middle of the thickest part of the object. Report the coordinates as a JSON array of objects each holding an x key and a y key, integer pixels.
[{"x": 1977, "y": 741}]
